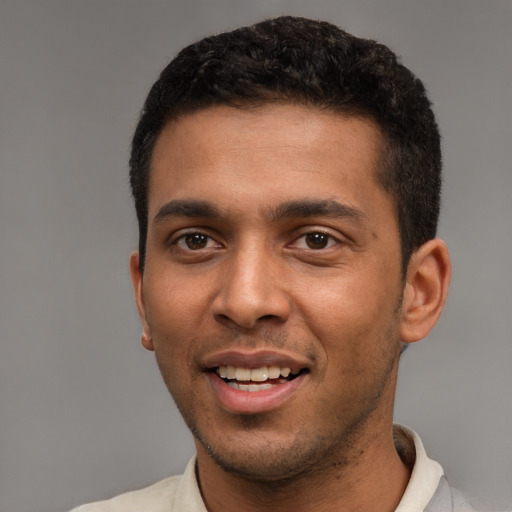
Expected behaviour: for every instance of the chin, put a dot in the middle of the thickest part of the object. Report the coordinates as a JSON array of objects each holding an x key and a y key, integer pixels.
[
  {"x": 251, "y": 455},
  {"x": 261, "y": 467}
]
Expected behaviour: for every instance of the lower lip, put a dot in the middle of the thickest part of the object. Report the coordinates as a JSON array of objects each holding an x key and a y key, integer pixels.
[{"x": 253, "y": 402}]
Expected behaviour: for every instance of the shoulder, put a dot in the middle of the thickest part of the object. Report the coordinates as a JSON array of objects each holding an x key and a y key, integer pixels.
[
  {"x": 173, "y": 493},
  {"x": 428, "y": 489},
  {"x": 449, "y": 499},
  {"x": 155, "y": 498}
]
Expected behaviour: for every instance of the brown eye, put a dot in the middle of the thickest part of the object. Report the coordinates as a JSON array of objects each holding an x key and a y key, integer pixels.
[
  {"x": 317, "y": 240},
  {"x": 195, "y": 242}
]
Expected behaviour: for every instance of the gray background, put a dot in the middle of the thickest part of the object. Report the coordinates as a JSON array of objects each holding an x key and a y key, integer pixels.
[{"x": 83, "y": 412}]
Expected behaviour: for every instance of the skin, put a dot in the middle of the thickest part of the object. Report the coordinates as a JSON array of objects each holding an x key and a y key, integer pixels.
[{"x": 320, "y": 284}]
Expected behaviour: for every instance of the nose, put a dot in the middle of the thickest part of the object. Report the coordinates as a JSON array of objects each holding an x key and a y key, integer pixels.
[{"x": 251, "y": 291}]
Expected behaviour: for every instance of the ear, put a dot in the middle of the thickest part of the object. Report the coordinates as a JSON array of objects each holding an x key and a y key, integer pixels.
[
  {"x": 426, "y": 288},
  {"x": 138, "y": 293}
]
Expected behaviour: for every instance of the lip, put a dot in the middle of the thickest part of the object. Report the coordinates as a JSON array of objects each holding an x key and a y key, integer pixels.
[
  {"x": 246, "y": 402},
  {"x": 255, "y": 360}
]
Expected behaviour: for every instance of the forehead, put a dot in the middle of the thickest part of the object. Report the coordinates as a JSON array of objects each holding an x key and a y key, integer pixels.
[{"x": 274, "y": 152}]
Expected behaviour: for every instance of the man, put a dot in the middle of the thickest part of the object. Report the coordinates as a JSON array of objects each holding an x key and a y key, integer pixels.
[{"x": 286, "y": 180}]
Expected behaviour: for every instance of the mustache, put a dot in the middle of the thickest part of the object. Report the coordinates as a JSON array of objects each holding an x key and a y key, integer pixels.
[{"x": 265, "y": 339}]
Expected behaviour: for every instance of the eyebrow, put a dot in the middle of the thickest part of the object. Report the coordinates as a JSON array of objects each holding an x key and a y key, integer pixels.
[
  {"x": 300, "y": 208},
  {"x": 316, "y": 208},
  {"x": 187, "y": 208}
]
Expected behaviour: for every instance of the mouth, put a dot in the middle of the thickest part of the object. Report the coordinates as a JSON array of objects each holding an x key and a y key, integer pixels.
[
  {"x": 256, "y": 379},
  {"x": 255, "y": 382}
]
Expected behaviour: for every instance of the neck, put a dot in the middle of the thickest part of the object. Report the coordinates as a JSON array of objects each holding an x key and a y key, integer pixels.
[{"x": 370, "y": 477}]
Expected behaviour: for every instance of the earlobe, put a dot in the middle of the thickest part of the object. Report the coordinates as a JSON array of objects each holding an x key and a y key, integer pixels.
[
  {"x": 147, "y": 342},
  {"x": 426, "y": 288},
  {"x": 138, "y": 293}
]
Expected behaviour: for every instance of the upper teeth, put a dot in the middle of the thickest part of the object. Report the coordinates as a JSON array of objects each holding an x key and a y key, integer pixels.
[{"x": 254, "y": 374}]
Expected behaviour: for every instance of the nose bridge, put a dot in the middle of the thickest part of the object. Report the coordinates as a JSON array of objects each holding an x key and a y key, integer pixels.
[{"x": 251, "y": 290}]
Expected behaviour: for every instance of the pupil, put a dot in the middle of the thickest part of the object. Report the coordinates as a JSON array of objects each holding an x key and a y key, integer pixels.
[
  {"x": 196, "y": 241},
  {"x": 317, "y": 240}
]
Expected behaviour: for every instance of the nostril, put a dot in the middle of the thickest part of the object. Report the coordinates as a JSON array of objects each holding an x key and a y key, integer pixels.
[
  {"x": 221, "y": 317},
  {"x": 245, "y": 309},
  {"x": 245, "y": 322}
]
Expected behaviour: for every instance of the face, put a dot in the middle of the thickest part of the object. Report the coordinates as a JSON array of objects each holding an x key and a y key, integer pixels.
[{"x": 272, "y": 285}]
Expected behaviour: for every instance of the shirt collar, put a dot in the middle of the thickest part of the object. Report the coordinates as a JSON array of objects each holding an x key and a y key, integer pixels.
[
  {"x": 425, "y": 475},
  {"x": 422, "y": 485}
]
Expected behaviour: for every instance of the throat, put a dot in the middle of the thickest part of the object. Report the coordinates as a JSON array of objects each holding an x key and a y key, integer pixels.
[{"x": 378, "y": 483}]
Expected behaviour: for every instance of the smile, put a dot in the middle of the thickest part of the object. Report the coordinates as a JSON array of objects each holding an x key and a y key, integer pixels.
[
  {"x": 255, "y": 382},
  {"x": 255, "y": 379}
]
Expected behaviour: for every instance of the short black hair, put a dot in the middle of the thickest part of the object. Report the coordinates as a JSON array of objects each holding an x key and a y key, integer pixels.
[{"x": 312, "y": 63}]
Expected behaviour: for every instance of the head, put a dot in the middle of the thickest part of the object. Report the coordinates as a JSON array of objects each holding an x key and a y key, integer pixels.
[
  {"x": 315, "y": 64},
  {"x": 285, "y": 176}
]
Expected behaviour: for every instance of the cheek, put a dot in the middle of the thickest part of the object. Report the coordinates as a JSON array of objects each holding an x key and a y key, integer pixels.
[
  {"x": 174, "y": 323},
  {"x": 341, "y": 309},
  {"x": 352, "y": 320},
  {"x": 175, "y": 304}
]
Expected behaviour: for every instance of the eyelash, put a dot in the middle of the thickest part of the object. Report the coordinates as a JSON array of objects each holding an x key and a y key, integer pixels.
[
  {"x": 182, "y": 242},
  {"x": 321, "y": 235},
  {"x": 182, "y": 239}
]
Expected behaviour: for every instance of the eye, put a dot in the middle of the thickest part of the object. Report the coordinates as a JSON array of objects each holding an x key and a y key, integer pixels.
[
  {"x": 195, "y": 242},
  {"x": 315, "y": 240}
]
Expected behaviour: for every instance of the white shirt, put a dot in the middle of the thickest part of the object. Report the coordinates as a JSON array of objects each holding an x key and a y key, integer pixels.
[{"x": 427, "y": 490}]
